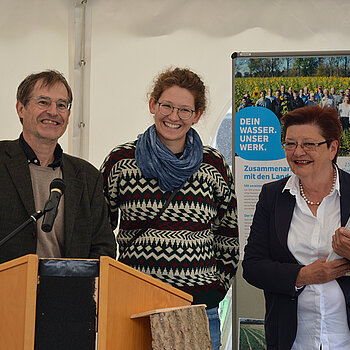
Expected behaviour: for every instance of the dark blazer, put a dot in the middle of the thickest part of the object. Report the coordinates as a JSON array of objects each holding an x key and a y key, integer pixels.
[
  {"x": 269, "y": 265},
  {"x": 87, "y": 230}
]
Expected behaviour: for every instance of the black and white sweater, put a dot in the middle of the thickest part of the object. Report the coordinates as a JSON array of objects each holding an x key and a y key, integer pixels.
[{"x": 194, "y": 245}]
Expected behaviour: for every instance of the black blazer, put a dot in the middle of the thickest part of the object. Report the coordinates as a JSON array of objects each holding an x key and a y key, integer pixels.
[
  {"x": 269, "y": 265},
  {"x": 87, "y": 230}
]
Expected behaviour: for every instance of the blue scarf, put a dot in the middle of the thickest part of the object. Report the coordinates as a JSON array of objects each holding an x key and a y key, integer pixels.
[{"x": 157, "y": 162}]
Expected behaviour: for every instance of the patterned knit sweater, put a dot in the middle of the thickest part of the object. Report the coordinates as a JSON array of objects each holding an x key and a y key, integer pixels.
[{"x": 193, "y": 246}]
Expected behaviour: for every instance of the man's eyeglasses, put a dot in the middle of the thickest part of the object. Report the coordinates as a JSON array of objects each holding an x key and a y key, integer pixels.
[
  {"x": 183, "y": 113},
  {"x": 44, "y": 103},
  {"x": 306, "y": 146}
]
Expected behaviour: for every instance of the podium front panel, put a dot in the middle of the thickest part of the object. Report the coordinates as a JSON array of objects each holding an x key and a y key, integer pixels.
[
  {"x": 66, "y": 304},
  {"x": 18, "y": 282},
  {"x": 123, "y": 292}
]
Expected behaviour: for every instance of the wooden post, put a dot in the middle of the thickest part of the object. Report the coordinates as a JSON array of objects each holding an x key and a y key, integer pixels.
[{"x": 185, "y": 328}]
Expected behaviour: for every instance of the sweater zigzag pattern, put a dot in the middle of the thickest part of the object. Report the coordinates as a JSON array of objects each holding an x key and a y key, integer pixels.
[{"x": 194, "y": 244}]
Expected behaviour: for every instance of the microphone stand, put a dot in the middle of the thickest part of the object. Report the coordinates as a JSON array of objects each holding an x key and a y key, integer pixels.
[{"x": 34, "y": 217}]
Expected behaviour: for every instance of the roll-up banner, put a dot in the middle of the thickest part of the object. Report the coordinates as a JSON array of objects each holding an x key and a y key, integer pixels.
[{"x": 265, "y": 87}]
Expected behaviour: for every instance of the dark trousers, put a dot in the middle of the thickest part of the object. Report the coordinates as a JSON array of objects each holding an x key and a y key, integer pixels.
[{"x": 344, "y": 123}]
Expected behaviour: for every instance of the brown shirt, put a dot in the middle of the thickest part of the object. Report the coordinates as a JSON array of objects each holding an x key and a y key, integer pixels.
[{"x": 49, "y": 244}]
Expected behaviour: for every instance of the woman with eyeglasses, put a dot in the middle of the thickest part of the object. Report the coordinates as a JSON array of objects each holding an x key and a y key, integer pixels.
[
  {"x": 193, "y": 244},
  {"x": 297, "y": 224}
]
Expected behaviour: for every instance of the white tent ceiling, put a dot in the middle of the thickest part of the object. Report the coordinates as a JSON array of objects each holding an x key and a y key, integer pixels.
[{"x": 129, "y": 41}]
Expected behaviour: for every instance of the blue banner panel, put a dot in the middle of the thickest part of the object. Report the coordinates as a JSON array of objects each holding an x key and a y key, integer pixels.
[{"x": 258, "y": 134}]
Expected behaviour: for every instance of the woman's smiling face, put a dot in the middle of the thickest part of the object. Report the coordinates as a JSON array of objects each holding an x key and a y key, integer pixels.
[
  {"x": 310, "y": 164},
  {"x": 171, "y": 129}
]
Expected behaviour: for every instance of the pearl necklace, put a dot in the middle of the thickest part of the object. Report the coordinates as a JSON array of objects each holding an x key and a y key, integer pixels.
[{"x": 317, "y": 203}]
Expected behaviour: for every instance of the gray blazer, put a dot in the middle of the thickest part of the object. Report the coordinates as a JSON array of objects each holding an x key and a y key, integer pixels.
[{"x": 87, "y": 230}]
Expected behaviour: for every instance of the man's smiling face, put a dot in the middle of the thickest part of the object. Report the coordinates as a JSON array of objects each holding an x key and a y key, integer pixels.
[{"x": 42, "y": 124}]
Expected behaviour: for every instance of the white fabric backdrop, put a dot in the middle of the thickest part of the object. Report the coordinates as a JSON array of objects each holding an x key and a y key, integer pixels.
[
  {"x": 33, "y": 36},
  {"x": 132, "y": 40}
]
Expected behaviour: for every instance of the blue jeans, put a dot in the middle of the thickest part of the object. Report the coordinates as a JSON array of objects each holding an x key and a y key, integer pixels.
[{"x": 214, "y": 327}]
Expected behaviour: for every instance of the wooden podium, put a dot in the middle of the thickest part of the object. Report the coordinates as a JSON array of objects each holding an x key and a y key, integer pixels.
[{"x": 121, "y": 292}]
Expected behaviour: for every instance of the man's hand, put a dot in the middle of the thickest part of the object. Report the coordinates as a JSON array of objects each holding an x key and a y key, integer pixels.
[
  {"x": 321, "y": 271},
  {"x": 341, "y": 242}
]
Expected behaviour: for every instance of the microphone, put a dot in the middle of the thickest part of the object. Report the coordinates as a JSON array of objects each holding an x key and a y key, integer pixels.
[{"x": 57, "y": 188}]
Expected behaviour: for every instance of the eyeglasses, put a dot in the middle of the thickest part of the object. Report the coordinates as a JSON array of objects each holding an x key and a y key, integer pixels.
[
  {"x": 306, "y": 146},
  {"x": 183, "y": 113},
  {"x": 44, "y": 103}
]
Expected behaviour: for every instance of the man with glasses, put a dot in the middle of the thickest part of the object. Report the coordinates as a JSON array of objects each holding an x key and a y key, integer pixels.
[{"x": 29, "y": 164}]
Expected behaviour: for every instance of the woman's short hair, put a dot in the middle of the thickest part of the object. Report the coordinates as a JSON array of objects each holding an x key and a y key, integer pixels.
[
  {"x": 184, "y": 78},
  {"x": 325, "y": 118}
]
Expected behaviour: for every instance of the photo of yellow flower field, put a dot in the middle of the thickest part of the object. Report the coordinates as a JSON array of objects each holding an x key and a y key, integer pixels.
[
  {"x": 255, "y": 85},
  {"x": 284, "y": 84}
]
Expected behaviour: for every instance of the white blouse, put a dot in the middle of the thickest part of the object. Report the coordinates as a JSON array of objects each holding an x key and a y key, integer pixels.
[{"x": 321, "y": 314}]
